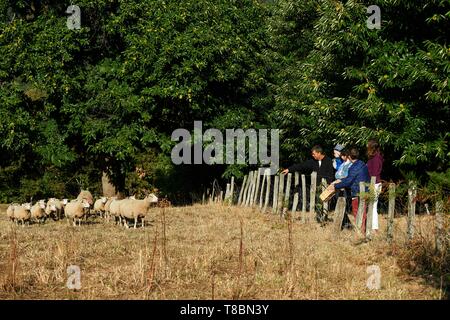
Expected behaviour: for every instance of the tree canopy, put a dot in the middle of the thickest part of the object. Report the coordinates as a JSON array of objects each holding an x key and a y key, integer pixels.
[{"x": 106, "y": 97}]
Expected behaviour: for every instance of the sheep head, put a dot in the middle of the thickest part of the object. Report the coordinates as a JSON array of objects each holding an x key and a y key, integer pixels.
[
  {"x": 27, "y": 206},
  {"x": 152, "y": 198},
  {"x": 85, "y": 203}
]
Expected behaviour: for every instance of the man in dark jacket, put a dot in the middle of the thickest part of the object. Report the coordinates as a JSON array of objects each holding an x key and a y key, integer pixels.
[
  {"x": 324, "y": 168},
  {"x": 320, "y": 164},
  {"x": 357, "y": 173}
]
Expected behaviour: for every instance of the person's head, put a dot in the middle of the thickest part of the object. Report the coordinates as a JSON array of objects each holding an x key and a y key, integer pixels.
[
  {"x": 372, "y": 148},
  {"x": 337, "y": 150},
  {"x": 344, "y": 155},
  {"x": 317, "y": 152},
  {"x": 353, "y": 154}
]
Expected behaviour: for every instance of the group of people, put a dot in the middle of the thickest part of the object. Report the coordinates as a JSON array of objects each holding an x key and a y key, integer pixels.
[{"x": 344, "y": 172}]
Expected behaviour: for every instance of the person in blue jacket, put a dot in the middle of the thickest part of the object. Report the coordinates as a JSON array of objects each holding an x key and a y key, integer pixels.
[{"x": 358, "y": 172}]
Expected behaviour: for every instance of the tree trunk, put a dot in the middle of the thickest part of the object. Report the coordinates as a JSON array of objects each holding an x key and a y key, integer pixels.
[{"x": 107, "y": 187}]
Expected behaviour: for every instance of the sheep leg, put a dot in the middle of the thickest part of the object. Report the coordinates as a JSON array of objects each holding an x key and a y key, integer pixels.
[
  {"x": 143, "y": 222},
  {"x": 135, "y": 221}
]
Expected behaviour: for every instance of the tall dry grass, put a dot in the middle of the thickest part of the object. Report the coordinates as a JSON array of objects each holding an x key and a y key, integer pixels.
[{"x": 206, "y": 252}]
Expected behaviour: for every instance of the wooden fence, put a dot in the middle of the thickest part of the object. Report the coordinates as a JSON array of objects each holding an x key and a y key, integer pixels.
[{"x": 272, "y": 194}]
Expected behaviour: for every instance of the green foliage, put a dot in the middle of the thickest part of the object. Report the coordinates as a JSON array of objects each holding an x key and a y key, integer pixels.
[
  {"x": 106, "y": 97},
  {"x": 108, "y": 93},
  {"x": 342, "y": 82}
]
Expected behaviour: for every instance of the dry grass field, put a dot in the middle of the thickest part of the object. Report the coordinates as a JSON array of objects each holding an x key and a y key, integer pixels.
[{"x": 203, "y": 252}]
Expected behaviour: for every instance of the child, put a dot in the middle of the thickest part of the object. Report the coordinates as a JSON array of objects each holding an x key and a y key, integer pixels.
[
  {"x": 337, "y": 161},
  {"x": 342, "y": 172}
]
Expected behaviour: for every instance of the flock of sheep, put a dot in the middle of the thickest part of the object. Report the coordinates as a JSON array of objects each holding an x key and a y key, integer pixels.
[{"x": 121, "y": 210}]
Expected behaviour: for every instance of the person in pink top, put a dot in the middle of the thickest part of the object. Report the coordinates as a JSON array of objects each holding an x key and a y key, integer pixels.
[{"x": 375, "y": 166}]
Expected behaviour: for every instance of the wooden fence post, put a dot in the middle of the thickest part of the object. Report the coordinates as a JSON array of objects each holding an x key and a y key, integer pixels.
[
  {"x": 247, "y": 187},
  {"x": 325, "y": 203},
  {"x": 275, "y": 194},
  {"x": 287, "y": 194},
  {"x": 241, "y": 192},
  {"x": 391, "y": 213},
  {"x": 266, "y": 201},
  {"x": 232, "y": 190},
  {"x": 280, "y": 195},
  {"x": 440, "y": 232},
  {"x": 412, "y": 192},
  {"x": 210, "y": 193},
  {"x": 339, "y": 214},
  {"x": 261, "y": 193},
  {"x": 312, "y": 196},
  {"x": 361, "y": 206},
  {"x": 227, "y": 192},
  {"x": 369, "y": 219},
  {"x": 303, "y": 198},
  {"x": 296, "y": 193},
  {"x": 252, "y": 190},
  {"x": 258, "y": 179}
]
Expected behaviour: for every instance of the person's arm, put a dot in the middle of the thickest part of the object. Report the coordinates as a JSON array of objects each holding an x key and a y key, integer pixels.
[
  {"x": 347, "y": 181},
  {"x": 302, "y": 167}
]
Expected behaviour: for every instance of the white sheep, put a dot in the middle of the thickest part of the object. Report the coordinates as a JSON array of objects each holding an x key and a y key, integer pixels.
[
  {"x": 107, "y": 207},
  {"x": 114, "y": 210},
  {"x": 22, "y": 213},
  {"x": 54, "y": 208},
  {"x": 10, "y": 211},
  {"x": 38, "y": 211},
  {"x": 135, "y": 209},
  {"x": 99, "y": 206},
  {"x": 76, "y": 209},
  {"x": 63, "y": 205}
]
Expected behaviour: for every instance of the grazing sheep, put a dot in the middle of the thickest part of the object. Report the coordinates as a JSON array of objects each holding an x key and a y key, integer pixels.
[
  {"x": 76, "y": 209},
  {"x": 99, "y": 206},
  {"x": 38, "y": 211},
  {"x": 114, "y": 210},
  {"x": 22, "y": 213},
  {"x": 107, "y": 206},
  {"x": 54, "y": 208},
  {"x": 63, "y": 205},
  {"x": 10, "y": 211},
  {"x": 133, "y": 209},
  {"x": 84, "y": 194}
]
